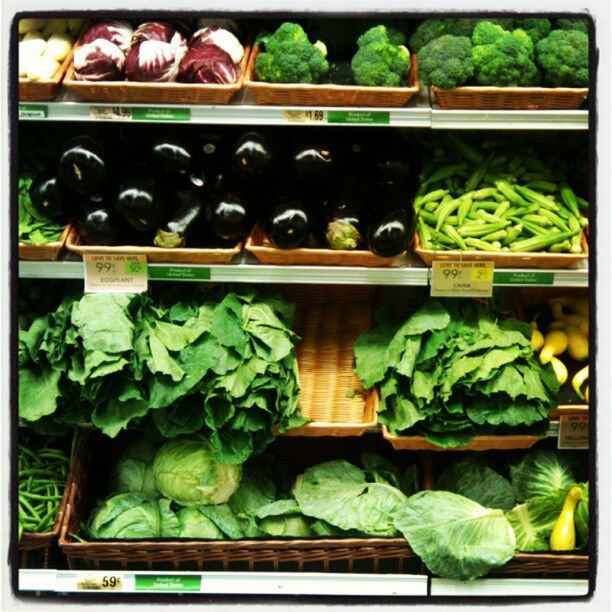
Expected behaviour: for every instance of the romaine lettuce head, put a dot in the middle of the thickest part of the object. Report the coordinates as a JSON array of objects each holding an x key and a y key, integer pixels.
[
  {"x": 125, "y": 516},
  {"x": 134, "y": 470},
  {"x": 543, "y": 472},
  {"x": 187, "y": 472}
]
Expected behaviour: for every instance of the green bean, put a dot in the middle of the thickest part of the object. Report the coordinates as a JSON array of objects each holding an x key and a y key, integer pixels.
[{"x": 29, "y": 507}]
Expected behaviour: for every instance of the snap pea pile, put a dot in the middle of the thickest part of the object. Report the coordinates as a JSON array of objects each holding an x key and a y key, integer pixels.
[
  {"x": 494, "y": 199},
  {"x": 42, "y": 477}
]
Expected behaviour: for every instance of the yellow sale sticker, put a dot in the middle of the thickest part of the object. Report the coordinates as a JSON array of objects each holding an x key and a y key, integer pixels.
[
  {"x": 462, "y": 278},
  {"x": 115, "y": 273},
  {"x": 573, "y": 431}
]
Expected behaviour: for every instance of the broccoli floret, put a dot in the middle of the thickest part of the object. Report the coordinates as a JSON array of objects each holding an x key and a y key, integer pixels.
[
  {"x": 446, "y": 62},
  {"x": 501, "y": 58},
  {"x": 582, "y": 25},
  {"x": 430, "y": 29},
  {"x": 379, "y": 62},
  {"x": 381, "y": 34},
  {"x": 289, "y": 57},
  {"x": 564, "y": 58},
  {"x": 536, "y": 28}
]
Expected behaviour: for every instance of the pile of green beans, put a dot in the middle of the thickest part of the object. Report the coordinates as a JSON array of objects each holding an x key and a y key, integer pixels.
[
  {"x": 42, "y": 477},
  {"x": 491, "y": 201}
]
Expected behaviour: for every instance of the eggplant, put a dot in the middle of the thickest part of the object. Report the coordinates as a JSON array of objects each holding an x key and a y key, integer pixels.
[
  {"x": 172, "y": 157},
  {"x": 83, "y": 165},
  {"x": 289, "y": 224},
  {"x": 142, "y": 202},
  {"x": 183, "y": 227},
  {"x": 97, "y": 226},
  {"x": 312, "y": 163},
  {"x": 251, "y": 157},
  {"x": 49, "y": 197},
  {"x": 390, "y": 234},
  {"x": 230, "y": 216},
  {"x": 394, "y": 171},
  {"x": 346, "y": 213}
]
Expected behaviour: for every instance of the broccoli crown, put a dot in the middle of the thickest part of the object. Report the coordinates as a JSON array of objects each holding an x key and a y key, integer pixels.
[
  {"x": 564, "y": 57},
  {"x": 381, "y": 34},
  {"x": 502, "y": 58},
  {"x": 289, "y": 57},
  {"x": 429, "y": 29},
  {"x": 446, "y": 62},
  {"x": 578, "y": 23},
  {"x": 378, "y": 61},
  {"x": 536, "y": 28}
]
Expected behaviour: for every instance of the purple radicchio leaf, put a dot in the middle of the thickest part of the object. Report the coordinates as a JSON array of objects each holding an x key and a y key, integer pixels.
[{"x": 99, "y": 60}]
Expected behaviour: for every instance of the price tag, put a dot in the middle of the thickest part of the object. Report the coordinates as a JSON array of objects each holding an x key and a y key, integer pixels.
[
  {"x": 96, "y": 582},
  {"x": 110, "y": 113},
  {"x": 159, "y": 113},
  {"x": 115, "y": 273},
  {"x": 359, "y": 117},
  {"x": 33, "y": 111},
  {"x": 168, "y": 582},
  {"x": 305, "y": 116},
  {"x": 462, "y": 279},
  {"x": 573, "y": 431}
]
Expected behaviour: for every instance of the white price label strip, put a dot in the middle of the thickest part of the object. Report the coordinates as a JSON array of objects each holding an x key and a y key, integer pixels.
[
  {"x": 110, "y": 113},
  {"x": 97, "y": 582},
  {"x": 115, "y": 273},
  {"x": 305, "y": 116}
]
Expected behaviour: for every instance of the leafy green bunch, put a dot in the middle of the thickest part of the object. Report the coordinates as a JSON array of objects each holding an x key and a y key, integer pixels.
[
  {"x": 453, "y": 370},
  {"x": 222, "y": 363}
]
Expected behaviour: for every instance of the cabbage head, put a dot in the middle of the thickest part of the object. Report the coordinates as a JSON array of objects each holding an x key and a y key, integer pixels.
[
  {"x": 134, "y": 470},
  {"x": 125, "y": 516},
  {"x": 187, "y": 472}
]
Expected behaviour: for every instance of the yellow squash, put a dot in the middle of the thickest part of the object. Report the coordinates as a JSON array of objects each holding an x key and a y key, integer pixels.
[
  {"x": 560, "y": 370},
  {"x": 563, "y": 536},
  {"x": 579, "y": 379},
  {"x": 555, "y": 342}
]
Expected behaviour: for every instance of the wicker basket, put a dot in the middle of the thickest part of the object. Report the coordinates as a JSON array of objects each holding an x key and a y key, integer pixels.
[
  {"x": 543, "y": 261},
  {"x": 259, "y": 245},
  {"x": 479, "y": 443},
  {"x": 44, "y": 252},
  {"x": 510, "y": 98},
  {"x": 122, "y": 92},
  {"x": 329, "y": 319},
  {"x": 45, "y": 543},
  {"x": 157, "y": 254},
  {"x": 329, "y": 554},
  {"x": 45, "y": 90},
  {"x": 302, "y": 94}
]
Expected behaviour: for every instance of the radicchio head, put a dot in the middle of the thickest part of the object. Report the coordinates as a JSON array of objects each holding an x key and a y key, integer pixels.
[
  {"x": 153, "y": 61},
  {"x": 224, "y": 39},
  {"x": 158, "y": 30},
  {"x": 117, "y": 32},
  {"x": 207, "y": 64},
  {"x": 98, "y": 60}
]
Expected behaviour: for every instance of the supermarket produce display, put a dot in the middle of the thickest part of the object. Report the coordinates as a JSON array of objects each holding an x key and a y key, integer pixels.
[{"x": 171, "y": 429}]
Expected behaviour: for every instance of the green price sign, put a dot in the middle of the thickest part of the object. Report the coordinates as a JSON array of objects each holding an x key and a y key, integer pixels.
[
  {"x": 152, "y": 113},
  {"x": 188, "y": 273},
  {"x": 168, "y": 582},
  {"x": 33, "y": 111},
  {"x": 135, "y": 267},
  {"x": 523, "y": 278},
  {"x": 358, "y": 117}
]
